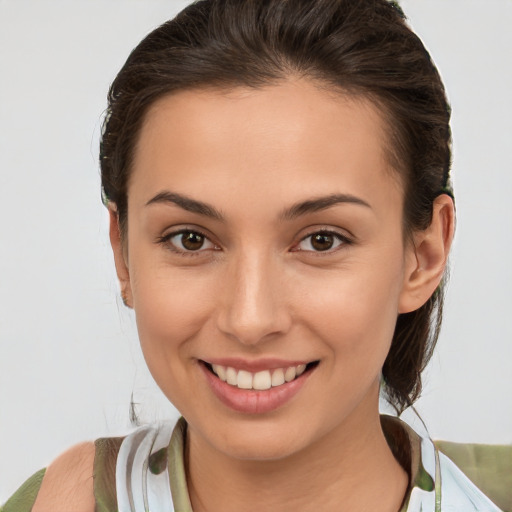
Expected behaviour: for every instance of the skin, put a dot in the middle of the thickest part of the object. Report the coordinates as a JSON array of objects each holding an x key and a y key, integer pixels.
[
  {"x": 257, "y": 288},
  {"x": 68, "y": 482}
]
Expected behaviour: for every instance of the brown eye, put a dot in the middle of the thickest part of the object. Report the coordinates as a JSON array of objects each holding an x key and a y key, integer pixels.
[
  {"x": 186, "y": 241},
  {"x": 322, "y": 241},
  {"x": 192, "y": 241}
]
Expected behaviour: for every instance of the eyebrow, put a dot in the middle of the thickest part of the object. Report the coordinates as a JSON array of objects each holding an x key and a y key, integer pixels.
[
  {"x": 297, "y": 210},
  {"x": 187, "y": 203},
  {"x": 321, "y": 203}
]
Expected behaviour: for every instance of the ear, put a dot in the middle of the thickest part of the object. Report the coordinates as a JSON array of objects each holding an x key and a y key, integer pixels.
[
  {"x": 120, "y": 258},
  {"x": 427, "y": 256}
]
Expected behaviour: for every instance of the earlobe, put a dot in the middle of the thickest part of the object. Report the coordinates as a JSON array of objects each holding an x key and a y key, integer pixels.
[
  {"x": 428, "y": 256},
  {"x": 120, "y": 259}
]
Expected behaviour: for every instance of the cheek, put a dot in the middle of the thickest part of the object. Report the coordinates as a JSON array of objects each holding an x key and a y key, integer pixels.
[
  {"x": 355, "y": 312},
  {"x": 171, "y": 309},
  {"x": 171, "y": 306}
]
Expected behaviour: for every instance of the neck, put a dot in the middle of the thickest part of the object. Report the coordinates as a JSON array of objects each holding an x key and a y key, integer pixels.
[{"x": 349, "y": 469}]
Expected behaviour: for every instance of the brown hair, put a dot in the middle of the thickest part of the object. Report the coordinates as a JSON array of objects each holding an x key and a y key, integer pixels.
[{"x": 361, "y": 47}]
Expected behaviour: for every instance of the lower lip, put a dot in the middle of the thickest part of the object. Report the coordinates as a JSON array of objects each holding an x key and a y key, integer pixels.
[{"x": 251, "y": 401}]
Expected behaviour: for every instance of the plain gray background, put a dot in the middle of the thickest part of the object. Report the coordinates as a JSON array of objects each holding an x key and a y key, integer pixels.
[{"x": 69, "y": 356}]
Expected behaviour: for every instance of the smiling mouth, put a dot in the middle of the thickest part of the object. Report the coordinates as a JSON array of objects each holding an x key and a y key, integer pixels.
[{"x": 262, "y": 380}]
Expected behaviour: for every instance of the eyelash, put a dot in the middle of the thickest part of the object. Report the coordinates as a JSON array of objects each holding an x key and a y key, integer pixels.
[
  {"x": 166, "y": 240},
  {"x": 342, "y": 239}
]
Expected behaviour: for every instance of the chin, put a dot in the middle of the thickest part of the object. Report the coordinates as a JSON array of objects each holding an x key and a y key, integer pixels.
[
  {"x": 258, "y": 440},
  {"x": 262, "y": 449}
]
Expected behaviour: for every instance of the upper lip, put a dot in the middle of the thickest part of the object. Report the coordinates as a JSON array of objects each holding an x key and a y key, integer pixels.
[{"x": 256, "y": 365}]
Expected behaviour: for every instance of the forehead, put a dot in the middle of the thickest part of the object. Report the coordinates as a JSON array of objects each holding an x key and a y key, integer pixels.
[{"x": 292, "y": 137}]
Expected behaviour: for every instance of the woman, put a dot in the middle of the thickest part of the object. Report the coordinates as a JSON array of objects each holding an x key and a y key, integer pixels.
[{"x": 277, "y": 177}]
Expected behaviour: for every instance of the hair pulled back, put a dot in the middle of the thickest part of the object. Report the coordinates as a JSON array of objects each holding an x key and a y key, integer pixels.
[{"x": 359, "y": 47}]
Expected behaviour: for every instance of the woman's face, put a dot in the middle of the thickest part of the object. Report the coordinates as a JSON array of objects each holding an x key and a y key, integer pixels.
[{"x": 265, "y": 234}]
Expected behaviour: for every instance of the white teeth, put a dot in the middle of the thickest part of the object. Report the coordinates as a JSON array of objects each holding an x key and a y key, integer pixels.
[
  {"x": 260, "y": 380},
  {"x": 231, "y": 376},
  {"x": 300, "y": 369},
  {"x": 278, "y": 377},
  {"x": 244, "y": 380},
  {"x": 220, "y": 371},
  {"x": 290, "y": 374}
]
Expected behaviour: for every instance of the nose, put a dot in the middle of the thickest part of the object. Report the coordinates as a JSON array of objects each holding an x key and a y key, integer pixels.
[{"x": 252, "y": 303}]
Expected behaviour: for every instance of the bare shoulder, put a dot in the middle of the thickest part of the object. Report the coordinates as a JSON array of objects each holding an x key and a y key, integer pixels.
[{"x": 68, "y": 482}]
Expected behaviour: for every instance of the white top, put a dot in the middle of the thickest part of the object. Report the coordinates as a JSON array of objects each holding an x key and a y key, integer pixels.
[{"x": 141, "y": 488}]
